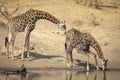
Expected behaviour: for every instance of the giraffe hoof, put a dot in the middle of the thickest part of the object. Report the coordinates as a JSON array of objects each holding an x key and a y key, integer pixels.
[
  {"x": 88, "y": 69},
  {"x": 69, "y": 65},
  {"x": 97, "y": 69},
  {"x": 28, "y": 56},
  {"x": 73, "y": 65},
  {"x": 8, "y": 57},
  {"x": 13, "y": 58}
]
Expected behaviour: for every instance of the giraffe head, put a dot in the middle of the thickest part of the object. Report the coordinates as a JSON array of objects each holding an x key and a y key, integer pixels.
[
  {"x": 104, "y": 64},
  {"x": 62, "y": 26}
]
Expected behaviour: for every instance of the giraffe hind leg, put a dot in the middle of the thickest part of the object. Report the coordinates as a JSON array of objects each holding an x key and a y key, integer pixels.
[
  {"x": 22, "y": 56},
  {"x": 86, "y": 53},
  {"x": 70, "y": 58},
  {"x": 10, "y": 44}
]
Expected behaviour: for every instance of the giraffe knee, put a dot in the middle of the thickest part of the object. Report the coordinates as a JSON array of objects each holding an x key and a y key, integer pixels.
[{"x": 70, "y": 49}]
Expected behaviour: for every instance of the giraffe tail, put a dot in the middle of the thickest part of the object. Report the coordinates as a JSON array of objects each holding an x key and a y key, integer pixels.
[
  {"x": 65, "y": 47},
  {"x": 6, "y": 41}
]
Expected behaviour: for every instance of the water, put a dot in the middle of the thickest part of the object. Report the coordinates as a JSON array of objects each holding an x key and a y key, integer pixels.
[{"x": 62, "y": 75}]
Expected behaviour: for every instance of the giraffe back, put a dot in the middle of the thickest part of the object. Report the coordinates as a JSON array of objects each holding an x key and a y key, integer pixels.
[
  {"x": 78, "y": 40},
  {"x": 29, "y": 18},
  {"x": 83, "y": 41}
]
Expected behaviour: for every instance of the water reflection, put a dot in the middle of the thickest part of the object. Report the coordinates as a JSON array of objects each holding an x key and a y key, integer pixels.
[
  {"x": 96, "y": 74},
  {"x": 63, "y": 75},
  {"x": 85, "y": 75},
  {"x": 69, "y": 75},
  {"x": 5, "y": 76}
]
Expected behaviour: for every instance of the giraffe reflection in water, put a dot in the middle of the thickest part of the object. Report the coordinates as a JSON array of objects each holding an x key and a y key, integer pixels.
[
  {"x": 69, "y": 75},
  {"x": 63, "y": 75},
  {"x": 15, "y": 76}
]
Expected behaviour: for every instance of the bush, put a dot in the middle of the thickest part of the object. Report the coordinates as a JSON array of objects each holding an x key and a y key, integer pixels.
[{"x": 90, "y": 3}]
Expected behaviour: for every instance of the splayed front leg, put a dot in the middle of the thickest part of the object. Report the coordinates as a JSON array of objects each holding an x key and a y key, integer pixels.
[
  {"x": 87, "y": 68},
  {"x": 69, "y": 64},
  {"x": 69, "y": 49},
  {"x": 96, "y": 62},
  {"x": 104, "y": 64},
  {"x": 69, "y": 61}
]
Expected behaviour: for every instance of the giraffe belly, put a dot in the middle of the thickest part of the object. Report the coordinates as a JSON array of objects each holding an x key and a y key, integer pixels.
[{"x": 81, "y": 48}]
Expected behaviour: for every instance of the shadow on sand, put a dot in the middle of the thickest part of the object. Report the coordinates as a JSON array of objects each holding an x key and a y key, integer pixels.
[
  {"x": 84, "y": 64},
  {"x": 109, "y": 6},
  {"x": 35, "y": 56}
]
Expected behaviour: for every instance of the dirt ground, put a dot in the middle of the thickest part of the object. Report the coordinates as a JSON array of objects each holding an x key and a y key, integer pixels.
[{"x": 47, "y": 40}]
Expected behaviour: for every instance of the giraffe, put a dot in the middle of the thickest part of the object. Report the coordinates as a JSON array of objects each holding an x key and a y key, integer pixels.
[
  {"x": 26, "y": 23},
  {"x": 82, "y": 43}
]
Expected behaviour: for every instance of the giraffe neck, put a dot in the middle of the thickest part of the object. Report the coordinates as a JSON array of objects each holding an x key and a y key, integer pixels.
[
  {"x": 97, "y": 48},
  {"x": 37, "y": 14}
]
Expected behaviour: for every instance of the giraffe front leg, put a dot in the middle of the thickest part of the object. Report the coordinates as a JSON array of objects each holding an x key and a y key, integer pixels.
[
  {"x": 88, "y": 68},
  {"x": 26, "y": 45},
  {"x": 28, "y": 42},
  {"x": 72, "y": 63},
  {"x": 69, "y": 55},
  {"x": 69, "y": 62},
  {"x": 104, "y": 64},
  {"x": 87, "y": 61},
  {"x": 96, "y": 62},
  {"x": 22, "y": 56}
]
